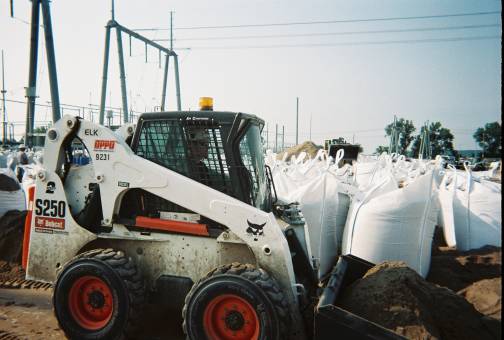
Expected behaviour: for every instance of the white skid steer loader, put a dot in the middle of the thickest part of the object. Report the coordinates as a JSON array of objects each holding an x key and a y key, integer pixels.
[{"x": 182, "y": 205}]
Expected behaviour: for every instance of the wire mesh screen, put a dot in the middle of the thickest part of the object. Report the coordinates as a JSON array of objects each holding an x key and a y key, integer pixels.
[
  {"x": 162, "y": 142},
  {"x": 193, "y": 150},
  {"x": 206, "y": 157}
]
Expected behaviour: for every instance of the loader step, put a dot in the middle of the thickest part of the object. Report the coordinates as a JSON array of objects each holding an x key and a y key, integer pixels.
[
  {"x": 172, "y": 226},
  {"x": 24, "y": 284}
]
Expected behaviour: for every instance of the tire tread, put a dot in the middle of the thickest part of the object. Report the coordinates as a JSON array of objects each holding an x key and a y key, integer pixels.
[
  {"x": 255, "y": 275},
  {"x": 128, "y": 273}
]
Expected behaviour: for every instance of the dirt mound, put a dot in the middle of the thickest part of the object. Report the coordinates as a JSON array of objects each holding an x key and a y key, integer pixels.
[
  {"x": 486, "y": 296},
  {"x": 10, "y": 271},
  {"x": 11, "y": 235},
  {"x": 459, "y": 269},
  {"x": 310, "y": 148},
  {"x": 396, "y": 297}
]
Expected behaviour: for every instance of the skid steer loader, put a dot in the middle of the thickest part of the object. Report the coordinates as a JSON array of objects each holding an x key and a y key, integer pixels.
[{"x": 182, "y": 205}]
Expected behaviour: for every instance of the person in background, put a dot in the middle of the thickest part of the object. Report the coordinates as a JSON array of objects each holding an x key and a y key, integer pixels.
[{"x": 22, "y": 159}]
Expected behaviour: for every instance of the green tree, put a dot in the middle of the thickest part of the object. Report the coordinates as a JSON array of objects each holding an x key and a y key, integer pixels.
[
  {"x": 40, "y": 129},
  {"x": 381, "y": 149},
  {"x": 489, "y": 139},
  {"x": 405, "y": 130},
  {"x": 441, "y": 141}
]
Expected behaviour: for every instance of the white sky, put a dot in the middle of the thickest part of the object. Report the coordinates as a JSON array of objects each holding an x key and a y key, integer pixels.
[{"x": 347, "y": 90}]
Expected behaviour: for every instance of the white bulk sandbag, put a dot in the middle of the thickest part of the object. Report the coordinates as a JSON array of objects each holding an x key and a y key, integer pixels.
[
  {"x": 11, "y": 197},
  {"x": 12, "y": 161},
  {"x": 487, "y": 174},
  {"x": 325, "y": 210},
  {"x": 396, "y": 226},
  {"x": 367, "y": 175},
  {"x": 386, "y": 185},
  {"x": 364, "y": 172},
  {"x": 477, "y": 213}
]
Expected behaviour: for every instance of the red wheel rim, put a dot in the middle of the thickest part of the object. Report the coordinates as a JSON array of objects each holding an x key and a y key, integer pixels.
[
  {"x": 230, "y": 317},
  {"x": 91, "y": 302}
]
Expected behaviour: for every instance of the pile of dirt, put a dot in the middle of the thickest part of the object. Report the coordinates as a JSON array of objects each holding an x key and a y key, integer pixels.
[
  {"x": 396, "y": 297},
  {"x": 457, "y": 270},
  {"x": 11, "y": 235},
  {"x": 10, "y": 271},
  {"x": 486, "y": 296},
  {"x": 310, "y": 148},
  {"x": 475, "y": 274}
]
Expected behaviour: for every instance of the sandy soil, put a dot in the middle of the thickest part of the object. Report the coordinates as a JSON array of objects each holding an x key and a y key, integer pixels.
[
  {"x": 309, "y": 147},
  {"x": 28, "y": 314}
]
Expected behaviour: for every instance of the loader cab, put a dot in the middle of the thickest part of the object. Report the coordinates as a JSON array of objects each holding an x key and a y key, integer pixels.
[{"x": 222, "y": 150}]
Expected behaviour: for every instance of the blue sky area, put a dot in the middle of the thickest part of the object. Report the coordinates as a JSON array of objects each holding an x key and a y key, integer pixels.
[{"x": 350, "y": 79}]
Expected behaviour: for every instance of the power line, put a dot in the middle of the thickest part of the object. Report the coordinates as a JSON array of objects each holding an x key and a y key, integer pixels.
[
  {"x": 327, "y": 21},
  {"x": 356, "y": 43},
  {"x": 419, "y": 29}
]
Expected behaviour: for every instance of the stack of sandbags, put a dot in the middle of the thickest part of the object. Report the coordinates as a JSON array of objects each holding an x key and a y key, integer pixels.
[{"x": 322, "y": 191}]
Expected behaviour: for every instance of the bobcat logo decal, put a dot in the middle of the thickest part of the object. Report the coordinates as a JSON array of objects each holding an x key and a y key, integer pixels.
[{"x": 255, "y": 230}]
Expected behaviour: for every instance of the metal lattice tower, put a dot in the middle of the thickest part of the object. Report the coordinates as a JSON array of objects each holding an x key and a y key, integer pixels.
[{"x": 113, "y": 24}]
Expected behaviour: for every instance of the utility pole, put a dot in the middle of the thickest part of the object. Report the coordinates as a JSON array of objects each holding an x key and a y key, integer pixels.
[
  {"x": 267, "y": 135},
  {"x": 297, "y": 120},
  {"x": 276, "y": 137},
  {"x": 51, "y": 60},
  {"x": 167, "y": 62},
  {"x": 283, "y": 137},
  {"x": 32, "y": 73},
  {"x": 310, "y": 125},
  {"x": 4, "y": 121},
  {"x": 171, "y": 30}
]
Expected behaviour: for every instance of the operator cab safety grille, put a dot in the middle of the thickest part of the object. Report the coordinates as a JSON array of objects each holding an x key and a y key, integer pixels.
[{"x": 191, "y": 148}]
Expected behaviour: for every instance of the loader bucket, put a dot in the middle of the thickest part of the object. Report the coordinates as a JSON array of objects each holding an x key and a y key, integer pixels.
[{"x": 333, "y": 322}]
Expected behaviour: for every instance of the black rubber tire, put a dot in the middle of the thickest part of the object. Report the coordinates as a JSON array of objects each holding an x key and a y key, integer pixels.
[
  {"x": 120, "y": 274},
  {"x": 252, "y": 284}
]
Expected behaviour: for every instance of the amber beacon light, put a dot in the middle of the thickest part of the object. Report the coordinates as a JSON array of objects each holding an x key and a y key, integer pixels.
[{"x": 206, "y": 103}]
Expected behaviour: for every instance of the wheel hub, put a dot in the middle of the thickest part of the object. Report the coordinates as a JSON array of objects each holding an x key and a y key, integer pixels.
[
  {"x": 234, "y": 321},
  {"x": 96, "y": 299},
  {"x": 91, "y": 302},
  {"x": 231, "y": 317}
]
